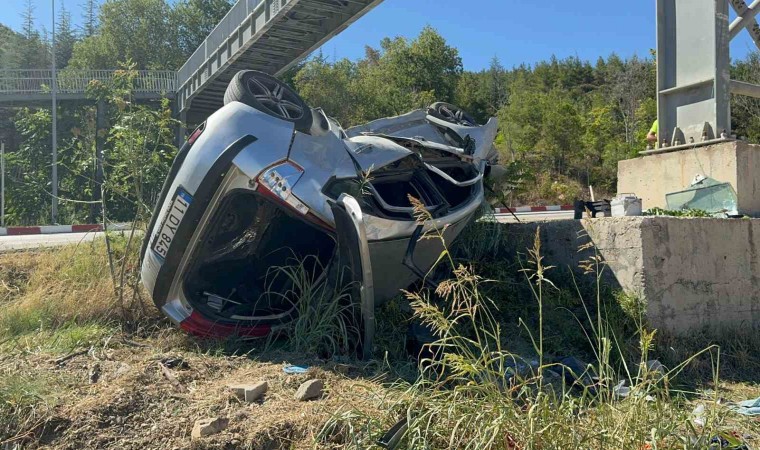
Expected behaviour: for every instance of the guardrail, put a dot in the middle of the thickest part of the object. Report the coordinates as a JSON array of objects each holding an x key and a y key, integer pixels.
[{"x": 30, "y": 82}]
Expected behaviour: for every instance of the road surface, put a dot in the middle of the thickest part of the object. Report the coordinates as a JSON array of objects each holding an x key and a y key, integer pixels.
[
  {"x": 33, "y": 241},
  {"x": 536, "y": 216}
]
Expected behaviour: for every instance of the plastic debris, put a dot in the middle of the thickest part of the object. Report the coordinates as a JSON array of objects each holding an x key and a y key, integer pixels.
[
  {"x": 698, "y": 415},
  {"x": 727, "y": 440},
  {"x": 294, "y": 370},
  {"x": 748, "y": 407},
  {"x": 620, "y": 390},
  {"x": 625, "y": 205}
]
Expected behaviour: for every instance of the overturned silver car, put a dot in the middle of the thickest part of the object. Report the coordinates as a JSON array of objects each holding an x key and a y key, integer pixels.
[{"x": 267, "y": 179}]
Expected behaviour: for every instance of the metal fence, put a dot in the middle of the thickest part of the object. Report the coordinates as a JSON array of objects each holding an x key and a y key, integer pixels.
[
  {"x": 219, "y": 35},
  {"x": 77, "y": 81}
]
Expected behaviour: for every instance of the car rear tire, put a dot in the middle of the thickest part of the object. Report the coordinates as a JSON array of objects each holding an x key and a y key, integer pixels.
[
  {"x": 270, "y": 96},
  {"x": 452, "y": 114}
]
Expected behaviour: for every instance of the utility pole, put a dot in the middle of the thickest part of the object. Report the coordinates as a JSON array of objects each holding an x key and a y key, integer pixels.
[
  {"x": 2, "y": 184},
  {"x": 54, "y": 205}
]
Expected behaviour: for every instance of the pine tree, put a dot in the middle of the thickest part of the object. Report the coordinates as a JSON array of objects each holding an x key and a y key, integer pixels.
[
  {"x": 28, "y": 21},
  {"x": 90, "y": 18},
  {"x": 31, "y": 52},
  {"x": 65, "y": 37}
]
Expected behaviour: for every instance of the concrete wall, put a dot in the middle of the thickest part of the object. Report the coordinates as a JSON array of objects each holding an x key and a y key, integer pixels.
[
  {"x": 693, "y": 273},
  {"x": 651, "y": 177}
]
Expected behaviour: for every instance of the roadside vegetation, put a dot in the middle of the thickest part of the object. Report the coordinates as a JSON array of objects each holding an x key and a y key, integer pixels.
[{"x": 80, "y": 364}]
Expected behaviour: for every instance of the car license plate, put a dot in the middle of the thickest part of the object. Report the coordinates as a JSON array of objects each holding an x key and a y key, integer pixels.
[{"x": 172, "y": 219}]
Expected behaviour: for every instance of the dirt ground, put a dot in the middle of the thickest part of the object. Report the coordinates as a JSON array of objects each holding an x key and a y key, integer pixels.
[{"x": 134, "y": 405}]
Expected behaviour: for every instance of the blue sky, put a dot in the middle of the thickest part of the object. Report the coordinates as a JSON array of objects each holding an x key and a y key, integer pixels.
[{"x": 515, "y": 31}]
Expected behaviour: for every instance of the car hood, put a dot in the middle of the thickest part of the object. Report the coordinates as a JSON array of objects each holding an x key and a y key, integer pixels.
[{"x": 374, "y": 152}]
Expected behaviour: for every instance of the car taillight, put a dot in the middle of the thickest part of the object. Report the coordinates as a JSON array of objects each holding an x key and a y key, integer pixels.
[
  {"x": 196, "y": 134},
  {"x": 277, "y": 183}
]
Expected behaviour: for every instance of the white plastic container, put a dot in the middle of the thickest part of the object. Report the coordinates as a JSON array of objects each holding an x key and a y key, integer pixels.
[{"x": 625, "y": 205}]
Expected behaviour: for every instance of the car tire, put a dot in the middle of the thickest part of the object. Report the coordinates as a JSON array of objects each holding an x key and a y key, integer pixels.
[
  {"x": 270, "y": 96},
  {"x": 452, "y": 114}
]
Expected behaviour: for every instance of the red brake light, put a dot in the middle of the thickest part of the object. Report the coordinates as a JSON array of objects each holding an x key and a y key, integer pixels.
[
  {"x": 196, "y": 134},
  {"x": 199, "y": 326}
]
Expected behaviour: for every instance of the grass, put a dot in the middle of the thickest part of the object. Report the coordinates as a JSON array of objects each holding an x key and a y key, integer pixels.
[
  {"x": 66, "y": 286},
  {"x": 471, "y": 393},
  {"x": 491, "y": 379},
  {"x": 26, "y": 400}
]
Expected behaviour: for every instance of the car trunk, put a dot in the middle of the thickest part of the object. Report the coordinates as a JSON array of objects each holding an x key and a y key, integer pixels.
[{"x": 235, "y": 274}]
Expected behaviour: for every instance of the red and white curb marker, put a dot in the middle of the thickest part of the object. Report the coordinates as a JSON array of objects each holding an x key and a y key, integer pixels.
[
  {"x": 60, "y": 229},
  {"x": 535, "y": 209}
]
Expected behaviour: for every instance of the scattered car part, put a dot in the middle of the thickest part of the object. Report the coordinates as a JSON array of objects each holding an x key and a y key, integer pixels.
[
  {"x": 705, "y": 194},
  {"x": 268, "y": 182}
]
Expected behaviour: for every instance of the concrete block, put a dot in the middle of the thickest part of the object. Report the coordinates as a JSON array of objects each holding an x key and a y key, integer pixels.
[
  {"x": 692, "y": 273},
  {"x": 255, "y": 392},
  {"x": 651, "y": 177},
  {"x": 207, "y": 427},
  {"x": 250, "y": 392}
]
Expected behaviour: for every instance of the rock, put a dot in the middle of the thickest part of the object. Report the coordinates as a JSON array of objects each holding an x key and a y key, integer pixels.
[
  {"x": 238, "y": 390},
  {"x": 249, "y": 392},
  {"x": 654, "y": 365},
  {"x": 256, "y": 391},
  {"x": 207, "y": 427},
  {"x": 310, "y": 390},
  {"x": 122, "y": 370},
  {"x": 95, "y": 373},
  {"x": 575, "y": 371}
]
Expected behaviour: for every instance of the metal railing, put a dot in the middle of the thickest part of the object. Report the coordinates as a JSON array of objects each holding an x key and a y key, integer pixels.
[
  {"x": 219, "y": 35},
  {"x": 30, "y": 82}
]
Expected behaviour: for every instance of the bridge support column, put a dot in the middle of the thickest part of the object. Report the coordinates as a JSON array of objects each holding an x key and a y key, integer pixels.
[{"x": 97, "y": 192}]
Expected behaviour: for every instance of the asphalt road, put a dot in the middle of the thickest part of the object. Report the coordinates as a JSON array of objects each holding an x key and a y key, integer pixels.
[
  {"x": 33, "y": 241},
  {"x": 536, "y": 216}
]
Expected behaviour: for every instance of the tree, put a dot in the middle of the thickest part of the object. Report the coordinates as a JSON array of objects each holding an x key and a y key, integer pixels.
[
  {"x": 193, "y": 20},
  {"x": 631, "y": 82},
  {"x": 328, "y": 86},
  {"x": 136, "y": 30},
  {"x": 497, "y": 86},
  {"x": 27, "y": 16},
  {"x": 89, "y": 18},
  {"x": 745, "y": 111},
  {"x": 65, "y": 38},
  {"x": 31, "y": 51}
]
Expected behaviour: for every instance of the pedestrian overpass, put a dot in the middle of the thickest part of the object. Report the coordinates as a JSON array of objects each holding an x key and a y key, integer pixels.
[{"x": 266, "y": 35}]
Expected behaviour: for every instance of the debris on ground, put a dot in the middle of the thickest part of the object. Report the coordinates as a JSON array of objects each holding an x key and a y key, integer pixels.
[
  {"x": 654, "y": 365},
  {"x": 621, "y": 391},
  {"x": 576, "y": 372},
  {"x": 173, "y": 362},
  {"x": 748, "y": 407},
  {"x": 310, "y": 390},
  {"x": 95, "y": 373},
  {"x": 295, "y": 370},
  {"x": 249, "y": 392},
  {"x": 728, "y": 440},
  {"x": 207, "y": 427}
]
